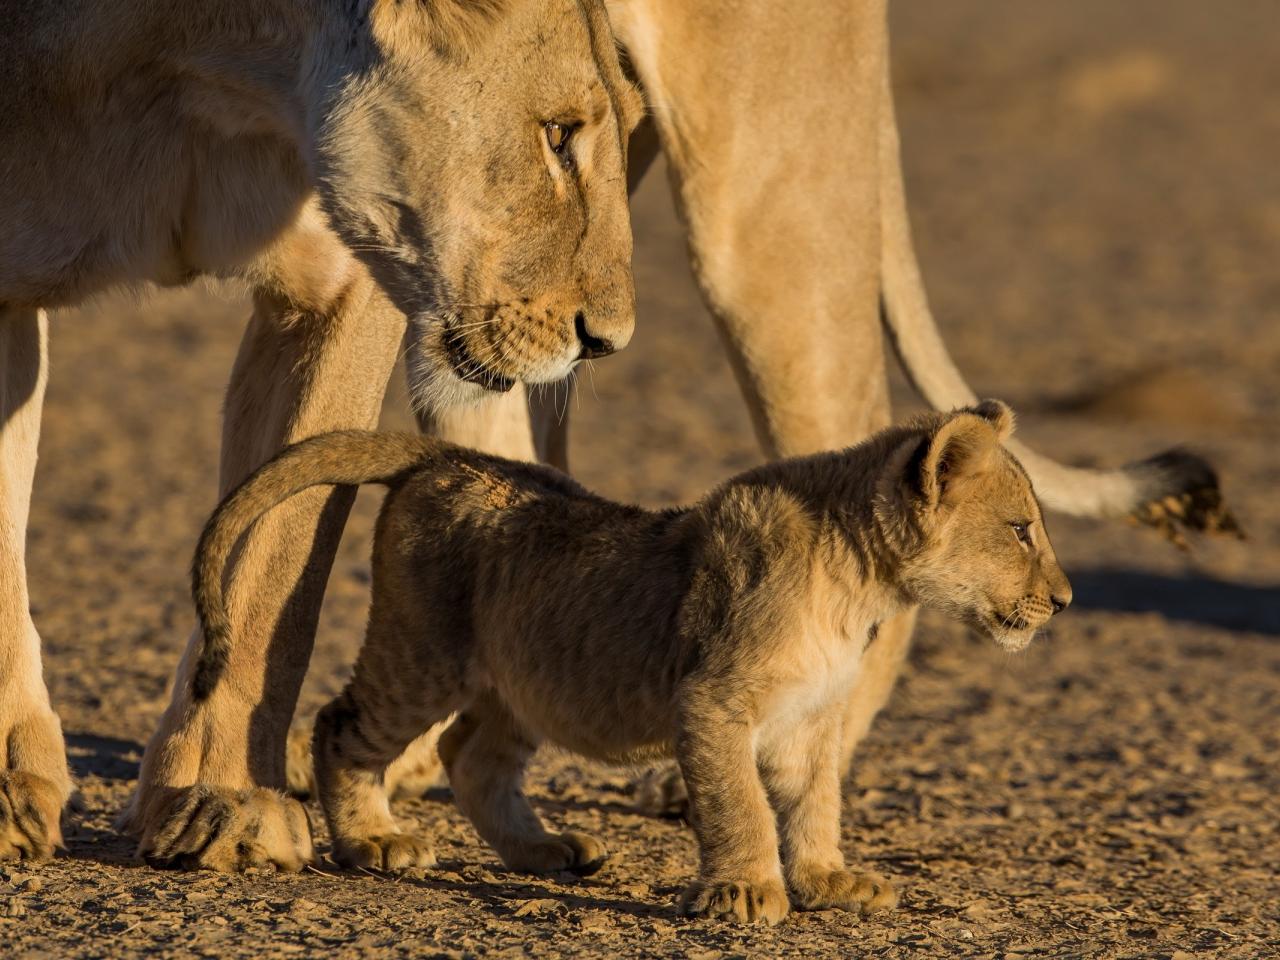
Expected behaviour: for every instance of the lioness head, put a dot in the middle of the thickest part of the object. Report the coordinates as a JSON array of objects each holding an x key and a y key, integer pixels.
[
  {"x": 982, "y": 552},
  {"x": 472, "y": 153}
]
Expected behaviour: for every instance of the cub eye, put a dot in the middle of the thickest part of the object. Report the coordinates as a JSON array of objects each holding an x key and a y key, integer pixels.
[
  {"x": 558, "y": 136},
  {"x": 1022, "y": 530}
]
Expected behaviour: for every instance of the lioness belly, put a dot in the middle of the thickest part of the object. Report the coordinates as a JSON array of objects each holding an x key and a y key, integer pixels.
[{"x": 132, "y": 191}]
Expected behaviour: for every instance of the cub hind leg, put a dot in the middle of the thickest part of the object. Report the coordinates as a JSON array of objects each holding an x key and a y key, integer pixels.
[
  {"x": 391, "y": 700},
  {"x": 485, "y": 752}
]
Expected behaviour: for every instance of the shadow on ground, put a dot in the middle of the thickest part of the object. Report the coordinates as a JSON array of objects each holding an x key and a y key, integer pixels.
[
  {"x": 1218, "y": 603},
  {"x": 107, "y": 758}
]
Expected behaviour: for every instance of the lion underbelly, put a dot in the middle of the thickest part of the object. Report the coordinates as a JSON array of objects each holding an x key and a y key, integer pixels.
[{"x": 94, "y": 200}]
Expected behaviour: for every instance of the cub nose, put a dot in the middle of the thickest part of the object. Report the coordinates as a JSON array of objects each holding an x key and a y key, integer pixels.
[
  {"x": 1060, "y": 603},
  {"x": 592, "y": 346}
]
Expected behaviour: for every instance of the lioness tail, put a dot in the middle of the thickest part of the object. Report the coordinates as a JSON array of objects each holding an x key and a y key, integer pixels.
[
  {"x": 345, "y": 457},
  {"x": 1171, "y": 489}
]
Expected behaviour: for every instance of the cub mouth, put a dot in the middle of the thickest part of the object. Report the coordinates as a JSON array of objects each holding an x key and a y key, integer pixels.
[
  {"x": 1012, "y": 631},
  {"x": 470, "y": 370}
]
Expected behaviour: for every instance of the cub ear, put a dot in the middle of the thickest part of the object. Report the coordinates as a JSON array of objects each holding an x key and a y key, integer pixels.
[
  {"x": 963, "y": 446},
  {"x": 995, "y": 412}
]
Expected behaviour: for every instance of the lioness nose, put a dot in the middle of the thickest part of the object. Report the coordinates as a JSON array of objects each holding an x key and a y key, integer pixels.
[
  {"x": 592, "y": 346},
  {"x": 1060, "y": 603}
]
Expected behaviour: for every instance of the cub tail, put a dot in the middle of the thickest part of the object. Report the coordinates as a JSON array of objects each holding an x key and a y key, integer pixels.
[{"x": 348, "y": 457}]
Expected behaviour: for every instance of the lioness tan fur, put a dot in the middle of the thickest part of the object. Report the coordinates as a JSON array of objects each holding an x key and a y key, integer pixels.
[{"x": 728, "y": 634}]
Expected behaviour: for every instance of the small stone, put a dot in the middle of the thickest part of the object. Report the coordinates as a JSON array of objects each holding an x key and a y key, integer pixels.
[
  {"x": 542, "y": 908},
  {"x": 978, "y": 910},
  {"x": 31, "y": 885}
]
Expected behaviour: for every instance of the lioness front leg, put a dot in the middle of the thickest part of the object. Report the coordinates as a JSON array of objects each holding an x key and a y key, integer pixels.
[
  {"x": 801, "y": 772},
  {"x": 316, "y": 356},
  {"x": 34, "y": 783},
  {"x": 485, "y": 753},
  {"x": 739, "y": 876}
]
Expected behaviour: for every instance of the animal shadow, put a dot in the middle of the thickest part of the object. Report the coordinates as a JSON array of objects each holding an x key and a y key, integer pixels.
[{"x": 1216, "y": 603}]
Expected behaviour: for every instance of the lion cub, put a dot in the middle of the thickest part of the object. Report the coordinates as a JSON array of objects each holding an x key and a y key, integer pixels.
[{"x": 727, "y": 633}]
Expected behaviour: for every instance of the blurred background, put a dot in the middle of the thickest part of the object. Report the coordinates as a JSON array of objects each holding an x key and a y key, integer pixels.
[{"x": 1096, "y": 199}]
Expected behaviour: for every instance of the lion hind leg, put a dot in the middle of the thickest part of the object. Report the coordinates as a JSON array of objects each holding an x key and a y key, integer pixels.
[
  {"x": 485, "y": 753},
  {"x": 409, "y": 775},
  {"x": 355, "y": 742},
  {"x": 358, "y": 739}
]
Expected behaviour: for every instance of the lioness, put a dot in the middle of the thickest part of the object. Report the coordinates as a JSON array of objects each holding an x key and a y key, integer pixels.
[
  {"x": 459, "y": 163},
  {"x": 728, "y": 633}
]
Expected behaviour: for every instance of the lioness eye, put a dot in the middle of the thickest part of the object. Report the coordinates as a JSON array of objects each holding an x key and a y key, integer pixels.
[
  {"x": 1022, "y": 530},
  {"x": 558, "y": 135}
]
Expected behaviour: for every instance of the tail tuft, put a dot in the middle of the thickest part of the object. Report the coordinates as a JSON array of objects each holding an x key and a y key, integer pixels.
[
  {"x": 1180, "y": 490},
  {"x": 209, "y": 668}
]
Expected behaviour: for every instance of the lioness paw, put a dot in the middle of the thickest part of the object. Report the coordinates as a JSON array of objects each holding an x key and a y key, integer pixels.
[
  {"x": 218, "y": 828},
  {"x": 858, "y": 892},
  {"x": 575, "y": 852},
  {"x": 736, "y": 900},
  {"x": 30, "y": 816},
  {"x": 392, "y": 853}
]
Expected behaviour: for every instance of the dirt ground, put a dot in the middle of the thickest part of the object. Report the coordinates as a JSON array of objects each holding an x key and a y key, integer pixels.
[{"x": 1097, "y": 204}]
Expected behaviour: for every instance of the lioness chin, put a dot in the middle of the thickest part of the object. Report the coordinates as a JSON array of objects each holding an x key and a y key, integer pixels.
[{"x": 727, "y": 634}]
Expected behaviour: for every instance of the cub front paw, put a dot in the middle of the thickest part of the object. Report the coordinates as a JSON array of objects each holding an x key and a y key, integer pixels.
[
  {"x": 861, "y": 893},
  {"x": 577, "y": 853},
  {"x": 30, "y": 816},
  {"x": 392, "y": 853},
  {"x": 738, "y": 900},
  {"x": 219, "y": 828}
]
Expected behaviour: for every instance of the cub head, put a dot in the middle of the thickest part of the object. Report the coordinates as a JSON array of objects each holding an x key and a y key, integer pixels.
[
  {"x": 981, "y": 552},
  {"x": 472, "y": 153}
]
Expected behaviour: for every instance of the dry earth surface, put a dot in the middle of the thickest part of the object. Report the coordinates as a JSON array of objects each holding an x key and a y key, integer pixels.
[{"x": 1097, "y": 203}]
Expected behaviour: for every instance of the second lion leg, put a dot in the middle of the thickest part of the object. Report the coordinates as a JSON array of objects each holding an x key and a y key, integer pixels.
[
  {"x": 739, "y": 876},
  {"x": 357, "y": 737},
  {"x": 801, "y": 773},
  {"x": 485, "y": 753}
]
